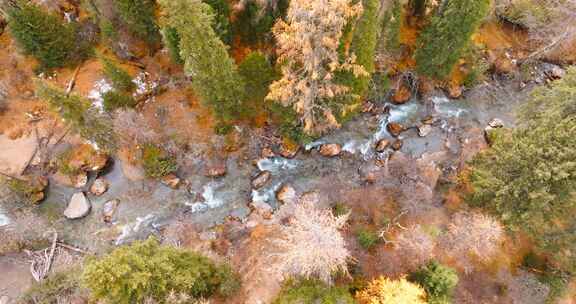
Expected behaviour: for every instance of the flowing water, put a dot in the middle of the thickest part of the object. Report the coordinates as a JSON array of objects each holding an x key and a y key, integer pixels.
[{"x": 145, "y": 206}]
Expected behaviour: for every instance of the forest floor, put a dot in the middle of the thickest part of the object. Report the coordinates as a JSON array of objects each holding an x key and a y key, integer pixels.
[{"x": 218, "y": 216}]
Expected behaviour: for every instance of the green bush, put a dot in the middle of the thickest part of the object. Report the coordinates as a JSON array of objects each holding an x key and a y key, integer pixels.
[
  {"x": 528, "y": 176},
  {"x": 145, "y": 269},
  {"x": 221, "y": 23},
  {"x": 108, "y": 30},
  {"x": 439, "y": 282},
  {"x": 53, "y": 289},
  {"x": 172, "y": 42},
  {"x": 138, "y": 16},
  {"x": 156, "y": 162},
  {"x": 367, "y": 238},
  {"x": 340, "y": 209},
  {"x": 258, "y": 74},
  {"x": 45, "y": 36},
  {"x": 444, "y": 40},
  {"x": 121, "y": 80},
  {"x": 288, "y": 123},
  {"x": 309, "y": 292},
  {"x": 114, "y": 100}
]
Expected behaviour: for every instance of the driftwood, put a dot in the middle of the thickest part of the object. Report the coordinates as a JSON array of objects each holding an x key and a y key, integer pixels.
[
  {"x": 41, "y": 261},
  {"x": 72, "y": 81},
  {"x": 395, "y": 222},
  {"x": 69, "y": 247}
]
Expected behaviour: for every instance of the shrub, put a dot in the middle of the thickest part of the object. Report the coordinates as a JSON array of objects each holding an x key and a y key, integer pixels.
[
  {"x": 367, "y": 238},
  {"x": 310, "y": 291},
  {"x": 340, "y": 209},
  {"x": 43, "y": 35},
  {"x": 145, "y": 269},
  {"x": 108, "y": 30},
  {"x": 138, "y": 15},
  {"x": 114, "y": 100},
  {"x": 443, "y": 41},
  {"x": 121, "y": 80},
  {"x": 156, "y": 163},
  {"x": 172, "y": 42},
  {"x": 311, "y": 246},
  {"x": 390, "y": 33},
  {"x": 56, "y": 288},
  {"x": 386, "y": 291},
  {"x": 439, "y": 282}
]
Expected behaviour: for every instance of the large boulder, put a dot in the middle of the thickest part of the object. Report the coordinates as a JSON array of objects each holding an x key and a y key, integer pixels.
[
  {"x": 330, "y": 150},
  {"x": 289, "y": 150},
  {"x": 261, "y": 179},
  {"x": 382, "y": 145},
  {"x": 78, "y": 207},
  {"x": 394, "y": 129},
  {"x": 401, "y": 95},
  {"x": 171, "y": 180}
]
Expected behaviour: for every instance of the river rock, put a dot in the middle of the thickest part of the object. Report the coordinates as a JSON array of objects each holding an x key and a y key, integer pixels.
[
  {"x": 171, "y": 181},
  {"x": 397, "y": 145},
  {"x": 330, "y": 150},
  {"x": 394, "y": 129},
  {"x": 216, "y": 169},
  {"x": 367, "y": 107},
  {"x": 286, "y": 194},
  {"x": 424, "y": 130},
  {"x": 368, "y": 173},
  {"x": 454, "y": 91},
  {"x": 401, "y": 95},
  {"x": 428, "y": 120},
  {"x": 289, "y": 151},
  {"x": 263, "y": 209},
  {"x": 267, "y": 153},
  {"x": 99, "y": 186},
  {"x": 553, "y": 71},
  {"x": 80, "y": 180},
  {"x": 78, "y": 207},
  {"x": 382, "y": 145},
  {"x": 261, "y": 179},
  {"x": 109, "y": 209},
  {"x": 496, "y": 123}
]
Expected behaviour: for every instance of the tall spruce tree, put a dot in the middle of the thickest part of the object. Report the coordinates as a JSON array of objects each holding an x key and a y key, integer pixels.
[
  {"x": 442, "y": 42},
  {"x": 214, "y": 75},
  {"x": 138, "y": 15},
  {"x": 363, "y": 46},
  {"x": 42, "y": 35},
  {"x": 529, "y": 176}
]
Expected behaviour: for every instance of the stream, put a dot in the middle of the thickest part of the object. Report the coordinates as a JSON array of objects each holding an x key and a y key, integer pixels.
[{"x": 145, "y": 206}]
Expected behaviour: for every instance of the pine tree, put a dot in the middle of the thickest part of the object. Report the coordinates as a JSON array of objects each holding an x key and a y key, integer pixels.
[
  {"x": 221, "y": 20},
  {"x": 528, "y": 177},
  {"x": 308, "y": 54},
  {"x": 121, "y": 80},
  {"x": 442, "y": 42},
  {"x": 258, "y": 74},
  {"x": 214, "y": 75},
  {"x": 138, "y": 15},
  {"x": 78, "y": 113},
  {"x": 41, "y": 34},
  {"x": 363, "y": 46}
]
